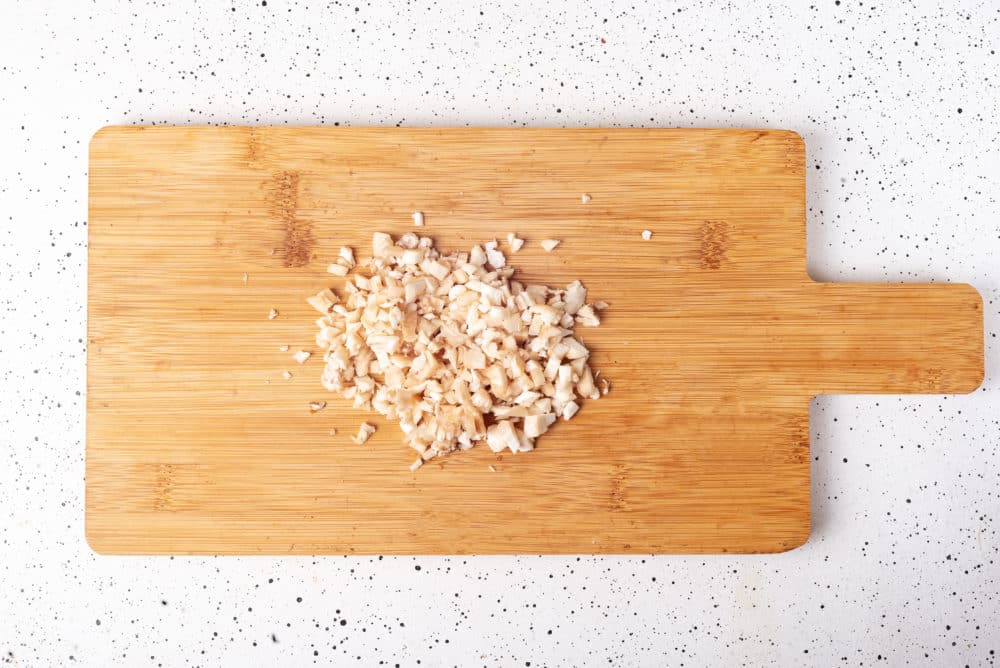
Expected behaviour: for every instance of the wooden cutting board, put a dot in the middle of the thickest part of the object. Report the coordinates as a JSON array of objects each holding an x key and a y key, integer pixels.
[{"x": 715, "y": 341}]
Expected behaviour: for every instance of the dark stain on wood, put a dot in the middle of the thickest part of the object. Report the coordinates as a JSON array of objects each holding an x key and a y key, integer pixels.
[
  {"x": 618, "y": 477},
  {"x": 930, "y": 380},
  {"x": 163, "y": 487},
  {"x": 795, "y": 154},
  {"x": 714, "y": 237},
  {"x": 796, "y": 435},
  {"x": 253, "y": 146},
  {"x": 284, "y": 202}
]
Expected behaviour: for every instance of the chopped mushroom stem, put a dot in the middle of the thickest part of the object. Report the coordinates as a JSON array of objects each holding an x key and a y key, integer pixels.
[
  {"x": 365, "y": 432},
  {"x": 452, "y": 348},
  {"x": 347, "y": 256}
]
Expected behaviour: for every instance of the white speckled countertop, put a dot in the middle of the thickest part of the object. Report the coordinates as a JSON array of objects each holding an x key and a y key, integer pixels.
[{"x": 899, "y": 110}]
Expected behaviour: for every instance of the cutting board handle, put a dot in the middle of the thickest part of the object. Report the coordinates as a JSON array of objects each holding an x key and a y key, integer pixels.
[{"x": 897, "y": 338}]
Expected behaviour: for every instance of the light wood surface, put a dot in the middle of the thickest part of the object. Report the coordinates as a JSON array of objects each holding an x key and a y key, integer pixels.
[{"x": 715, "y": 341}]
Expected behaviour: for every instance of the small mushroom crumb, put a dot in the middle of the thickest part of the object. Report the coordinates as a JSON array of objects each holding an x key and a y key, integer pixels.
[
  {"x": 493, "y": 469},
  {"x": 585, "y": 198},
  {"x": 316, "y": 406},
  {"x": 283, "y": 349},
  {"x": 514, "y": 243},
  {"x": 549, "y": 244},
  {"x": 570, "y": 409},
  {"x": 272, "y": 314},
  {"x": 346, "y": 257},
  {"x": 336, "y": 269},
  {"x": 494, "y": 258},
  {"x": 586, "y": 316},
  {"x": 647, "y": 235},
  {"x": 302, "y": 356},
  {"x": 333, "y": 431},
  {"x": 323, "y": 301},
  {"x": 287, "y": 375},
  {"x": 417, "y": 463},
  {"x": 267, "y": 381},
  {"x": 365, "y": 432},
  {"x": 418, "y": 219},
  {"x": 246, "y": 277}
]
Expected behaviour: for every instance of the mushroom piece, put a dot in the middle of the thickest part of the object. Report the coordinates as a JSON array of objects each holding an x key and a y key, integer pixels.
[
  {"x": 494, "y": 257},
  {"x": 323, "y": 301},
  {"x": 347, "y": 257},
  {"x": 586, "y": 316},
  {"x": 536, "y": 425},
  {"x": 365, "y": 432},
  {"x": 570, "y": 409},
  {"x": 381, "y": 243},
  {"x": 502, "y": 436},
  {"x": 575, "y": 297}
]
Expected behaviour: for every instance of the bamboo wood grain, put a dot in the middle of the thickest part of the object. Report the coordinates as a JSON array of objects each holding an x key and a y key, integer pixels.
[{"x": 715, "y": 341}]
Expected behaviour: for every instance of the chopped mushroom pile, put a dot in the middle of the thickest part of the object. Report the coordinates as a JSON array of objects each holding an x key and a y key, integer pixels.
[{"x": 452, "y": 348}]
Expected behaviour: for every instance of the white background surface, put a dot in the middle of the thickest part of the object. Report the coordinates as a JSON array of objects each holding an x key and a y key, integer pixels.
[{"x": 902, "y": 567}]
